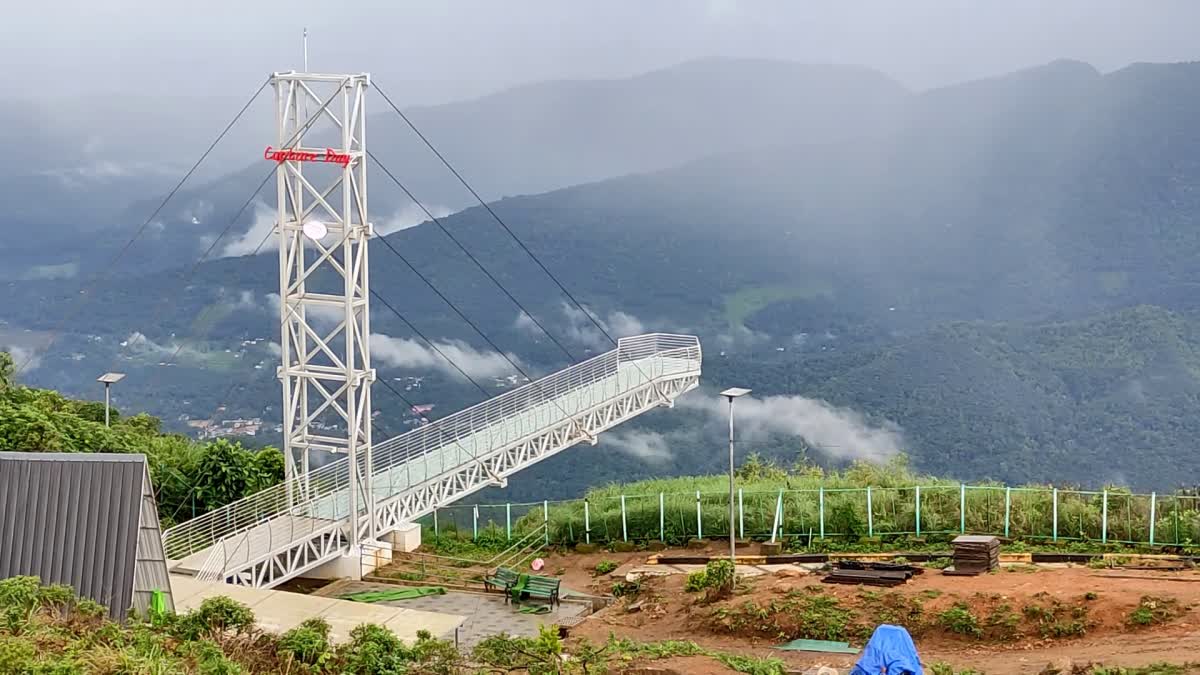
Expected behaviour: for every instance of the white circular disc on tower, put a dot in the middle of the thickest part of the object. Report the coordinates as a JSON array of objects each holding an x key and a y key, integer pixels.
[{"x": 315, "y": 229}]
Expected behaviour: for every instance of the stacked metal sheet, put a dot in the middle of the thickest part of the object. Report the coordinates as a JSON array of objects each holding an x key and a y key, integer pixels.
[{"x": 975, "y": 554}]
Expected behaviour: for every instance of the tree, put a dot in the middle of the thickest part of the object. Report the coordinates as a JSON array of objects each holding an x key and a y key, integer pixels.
[
  {"x": 6, "y": 371},
  {"x": 225, "y": 473}
]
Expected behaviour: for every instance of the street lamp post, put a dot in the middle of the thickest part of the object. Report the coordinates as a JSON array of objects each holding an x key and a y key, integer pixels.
[
  {"x": 731, "y": 394},
  {"x": 109, "y": 379}
]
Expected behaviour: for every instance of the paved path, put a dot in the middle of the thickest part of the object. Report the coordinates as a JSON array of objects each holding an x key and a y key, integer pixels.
[
  {"x": 484, "y": 614},
  {"x": 278, "y": 611}
]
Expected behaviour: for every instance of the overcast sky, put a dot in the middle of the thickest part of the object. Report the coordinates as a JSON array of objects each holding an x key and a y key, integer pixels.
[{"x": 437, "y": 50}]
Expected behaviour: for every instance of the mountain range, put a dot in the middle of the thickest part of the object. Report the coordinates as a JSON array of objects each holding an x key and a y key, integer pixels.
[{"x": 999, "y": 274}]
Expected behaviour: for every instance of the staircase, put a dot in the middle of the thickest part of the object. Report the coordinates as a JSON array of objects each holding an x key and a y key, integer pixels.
[{"x": 288, "y": 529}]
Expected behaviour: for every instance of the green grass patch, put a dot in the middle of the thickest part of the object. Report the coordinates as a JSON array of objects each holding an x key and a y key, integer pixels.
[{"x": 743, "y": 303}]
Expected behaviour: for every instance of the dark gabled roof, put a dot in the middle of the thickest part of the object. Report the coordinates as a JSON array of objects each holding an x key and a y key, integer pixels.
[{"x": 73, "y": 518}]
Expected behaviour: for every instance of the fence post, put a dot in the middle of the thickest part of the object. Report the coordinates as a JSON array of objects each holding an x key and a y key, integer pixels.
[
  {"x": 624, "y": 526},
  {"x": 918, "y": 510},
  {"x": 508, "y": 520},
  {"x": 870, "y": 516},
  {"x": 1153, "y": 503},
  {"x": 962, "y": 508},
  {"x": 1104, "y": 519},
  {"x": 741, "y": 517},
  {"x": 587, "y": 522},
  {"x": 778, "y": 512},
  {"x": 546, "y": 519},
  {"x": 820, "y": 508},
  {"x": 1007, "y": 509},
  {"x": 475, "y": 523},
  {"x": 1054, "y": 495},
  {"x": 435, "y": 525},
  {"x": 699, "y": 523},
  {"x": 662, "y": 527}
]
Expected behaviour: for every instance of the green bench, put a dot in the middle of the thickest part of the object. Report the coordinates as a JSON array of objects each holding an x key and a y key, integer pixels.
[
  {"x": 545, "y": 588},
  {"x": 503, "y": 580}
]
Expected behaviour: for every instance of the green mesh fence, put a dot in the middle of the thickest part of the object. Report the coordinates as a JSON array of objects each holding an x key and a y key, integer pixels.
[{"x": 1030, "y": 514}]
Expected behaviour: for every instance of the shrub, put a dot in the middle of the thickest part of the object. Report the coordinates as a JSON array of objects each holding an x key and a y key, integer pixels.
[
  {"x": 696, "y": 582},
  {"x": 959, "y": 619},
  {"x": 373, "y": 649},
  {"x": 307, "y": 643},
  {"x": 538, "y": 656},
  {"x": 214, "y": 615},
  {"x": 717, "y": 579},
  {"x": 16, "y": 655},
  {"x": 1152, "y": 610},
  {"x": 605, "y": 567}
]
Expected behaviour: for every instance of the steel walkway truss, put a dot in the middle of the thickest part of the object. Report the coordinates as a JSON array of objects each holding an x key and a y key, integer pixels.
[{"x": 288, "y": 529}]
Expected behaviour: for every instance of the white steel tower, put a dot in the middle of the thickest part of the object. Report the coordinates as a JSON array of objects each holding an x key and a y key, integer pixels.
[{"x": 324, "y": 288}]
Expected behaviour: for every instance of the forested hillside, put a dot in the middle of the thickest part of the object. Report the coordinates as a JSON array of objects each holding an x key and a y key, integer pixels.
[
  {"x": 1008, "y": 276},
  {"x": 189, "y": 478}
]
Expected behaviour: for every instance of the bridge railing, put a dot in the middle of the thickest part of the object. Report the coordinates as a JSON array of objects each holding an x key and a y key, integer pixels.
[
  {"x": 315, "y": 499},
  {"x": 534, "y": 406}
]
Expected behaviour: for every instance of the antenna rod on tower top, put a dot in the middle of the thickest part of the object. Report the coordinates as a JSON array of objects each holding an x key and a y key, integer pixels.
[{"x": 306, "y": 49}]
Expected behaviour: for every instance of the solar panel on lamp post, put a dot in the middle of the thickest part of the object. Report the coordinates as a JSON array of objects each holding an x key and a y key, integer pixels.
[
  {"x": 732, "y": 393},
  {"x": 109, "y": 379}
]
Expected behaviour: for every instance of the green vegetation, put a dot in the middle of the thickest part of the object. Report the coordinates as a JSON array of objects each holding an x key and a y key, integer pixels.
[
  {"x": 1053, "y": 618},
  {"x": 893, "y": 515},
  {"x": 605, "y": 567},
  {"x": 808, "y": 613},
  {"x": 959, "y": 619},
  {"x": 1152, "y": 669},
  {"x": 46, "y": 629},
  {"x": 189, "y": 478},
  {"x": 745, "y": 302},
  {"x": 1152, "y": 610},
  {"x": 716, "y": 580},
  {"x": 943, "y": 668}
]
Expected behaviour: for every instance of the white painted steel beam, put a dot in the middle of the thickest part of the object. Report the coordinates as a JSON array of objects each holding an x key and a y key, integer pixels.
[{"x": 285, "y": 530}]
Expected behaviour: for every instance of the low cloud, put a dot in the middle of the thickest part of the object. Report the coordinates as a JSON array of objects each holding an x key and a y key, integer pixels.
[
  {"x": 317, "y": 314},
  {"x": 838, "y": 432},
  {"x": 648, "y": 446},
  {"x": 260, "y": 229},
  {"x": 138, "y": 344},
  {"x": 24, "y": 358},
  {"x": 408, "y": 216},
  {"x": 405, "y": 353},
  {"x": 579, "y": 326},
  {"x": 62, "y": 271}
]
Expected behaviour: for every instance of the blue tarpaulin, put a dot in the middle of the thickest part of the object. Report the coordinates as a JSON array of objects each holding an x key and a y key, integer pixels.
[{"x": 890, "y": 650}]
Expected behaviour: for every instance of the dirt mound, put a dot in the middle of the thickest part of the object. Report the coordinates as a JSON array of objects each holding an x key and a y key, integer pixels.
[{"x": 1028, "y": 618}]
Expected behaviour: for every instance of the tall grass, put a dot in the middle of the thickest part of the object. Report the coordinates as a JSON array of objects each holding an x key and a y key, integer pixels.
[{"x": 835, "y": 503}]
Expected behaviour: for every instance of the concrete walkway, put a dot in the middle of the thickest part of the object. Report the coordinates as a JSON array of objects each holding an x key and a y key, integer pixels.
[
  {"x": 485, "y": 614},
  {"x": 278, "y": 611}
]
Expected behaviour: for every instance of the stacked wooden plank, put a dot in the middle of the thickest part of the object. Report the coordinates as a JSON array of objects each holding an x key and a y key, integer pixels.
[
  {"x": 857, "y": 572},
  {"x": 975, "y": 554},
  {"x": 912, "y": 570},
  {"x": 865, "y": 577}
]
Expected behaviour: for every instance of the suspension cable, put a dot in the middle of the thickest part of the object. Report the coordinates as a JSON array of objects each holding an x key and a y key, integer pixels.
[
  {"x": 103, "y": 274},
  {"x": 494, "y": 215}
]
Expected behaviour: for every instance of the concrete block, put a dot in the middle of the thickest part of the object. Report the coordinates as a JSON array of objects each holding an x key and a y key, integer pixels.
[
  {"x": 586, "y": 548},
  {"x": 348, "y": 566},
  {"x": 656, "y": 546},
  {"x": 406, "y": 538},
  {"x": 772, "y": 548},
  {"x": 697, "y": 544},
  {"x": 624, "y": 546}
]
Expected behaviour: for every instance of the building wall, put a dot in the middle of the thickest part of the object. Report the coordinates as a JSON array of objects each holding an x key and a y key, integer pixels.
[{"x": 77, "y": 519}]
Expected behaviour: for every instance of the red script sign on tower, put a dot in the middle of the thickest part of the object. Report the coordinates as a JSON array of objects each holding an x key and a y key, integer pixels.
[{"x": 330, "y": 155}]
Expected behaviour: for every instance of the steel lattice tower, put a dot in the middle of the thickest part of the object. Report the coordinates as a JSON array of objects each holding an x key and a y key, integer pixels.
[{"x": 324, "y": 288}]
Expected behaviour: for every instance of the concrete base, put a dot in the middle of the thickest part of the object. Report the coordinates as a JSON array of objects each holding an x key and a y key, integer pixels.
[
  {"x": 372, "y": 555},
  {"x": 406, "y": 538}
]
